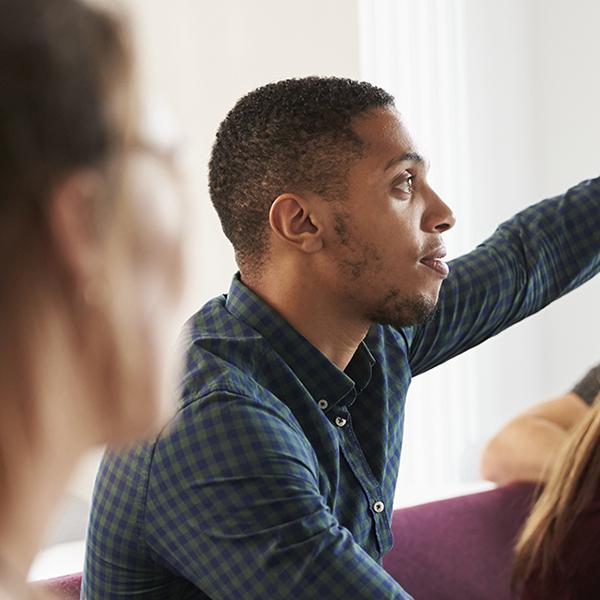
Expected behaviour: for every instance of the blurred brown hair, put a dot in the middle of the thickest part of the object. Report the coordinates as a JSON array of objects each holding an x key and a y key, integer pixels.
[
  {"x": 572, "y": 487},
  {"x": 59, "y": 62},
  {"x": 65, "y": 81}
]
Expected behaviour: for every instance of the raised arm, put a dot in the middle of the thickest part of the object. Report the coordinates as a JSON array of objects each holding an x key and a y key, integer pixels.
[
  {"x": 536, "y": 257},
  {"x": 524, "y": 448},
  {"x": 234, "y": 507}
]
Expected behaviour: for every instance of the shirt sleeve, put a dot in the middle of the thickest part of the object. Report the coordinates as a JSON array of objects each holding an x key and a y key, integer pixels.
[
  {"x": 536, "y": 257},
  {"x": 589, "y": 387},
  {"x": 234, "y": 507}
]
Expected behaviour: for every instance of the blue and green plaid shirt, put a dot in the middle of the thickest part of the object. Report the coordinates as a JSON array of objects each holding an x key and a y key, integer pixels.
[{"x": 276, "y": 479}]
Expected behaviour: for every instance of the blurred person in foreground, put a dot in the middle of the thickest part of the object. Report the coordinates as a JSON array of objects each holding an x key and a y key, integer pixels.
[
  {"x": 528, "y": 444},
  {"x": 558, "y": 553},
  {"x": 277, "y": 478},
  {"x": 90, "y": 256}
]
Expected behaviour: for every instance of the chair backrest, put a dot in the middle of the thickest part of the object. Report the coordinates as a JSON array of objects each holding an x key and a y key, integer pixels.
[
  {"x": 460, "y": 547},
  {"x": 66, "y": 587}
]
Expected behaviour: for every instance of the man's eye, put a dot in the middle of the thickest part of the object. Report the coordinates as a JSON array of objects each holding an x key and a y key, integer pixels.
[{"x": 405, "y": 185}]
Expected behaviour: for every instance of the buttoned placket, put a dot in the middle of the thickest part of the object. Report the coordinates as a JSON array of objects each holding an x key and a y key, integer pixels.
[
  {"x": 339, "y": 416},
  {"x": 355, "y": 457}
]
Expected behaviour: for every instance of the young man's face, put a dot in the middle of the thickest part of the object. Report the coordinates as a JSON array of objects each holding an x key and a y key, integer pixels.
[{"x": 386, "y": 241}]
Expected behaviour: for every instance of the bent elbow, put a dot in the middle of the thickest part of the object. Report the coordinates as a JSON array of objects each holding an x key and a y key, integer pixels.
[{"x": 491, "y": 464}]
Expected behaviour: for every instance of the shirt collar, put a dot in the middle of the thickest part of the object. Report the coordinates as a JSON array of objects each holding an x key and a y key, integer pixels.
[{"x": 317, "y": 373}]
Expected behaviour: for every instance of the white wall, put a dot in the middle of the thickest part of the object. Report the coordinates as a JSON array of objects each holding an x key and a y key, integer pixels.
[
  {"x": 567, "y": 62},
  {"x": 531, "y": 130},
  {"x": 499, "y": 48},
  {"x": 204, "y": 55},
  {"x": 534, "y": 97}
]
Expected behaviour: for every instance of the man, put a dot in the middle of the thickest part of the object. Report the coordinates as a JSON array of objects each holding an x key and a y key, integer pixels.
[
  {"x": 277, "y": 478},
  {"x": 524, "y": 448}
]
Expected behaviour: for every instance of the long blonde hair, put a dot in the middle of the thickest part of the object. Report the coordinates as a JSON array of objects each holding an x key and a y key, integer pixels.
[{"x": 572, "y": 486}]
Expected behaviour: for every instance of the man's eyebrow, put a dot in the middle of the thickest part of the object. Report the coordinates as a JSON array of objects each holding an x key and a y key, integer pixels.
[{"x": 409, "y": 156}]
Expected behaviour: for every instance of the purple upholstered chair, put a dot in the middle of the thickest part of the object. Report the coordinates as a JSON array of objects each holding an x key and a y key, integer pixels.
[
  {"x": 66, "y": 587},
  {"x": 460, "y": 547}
]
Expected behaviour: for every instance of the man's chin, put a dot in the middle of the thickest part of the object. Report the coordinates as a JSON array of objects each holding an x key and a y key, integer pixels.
[{"x": 405, "y": 312}]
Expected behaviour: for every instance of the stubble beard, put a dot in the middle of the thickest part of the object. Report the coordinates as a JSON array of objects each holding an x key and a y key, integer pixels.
[
  {"x": 400, "y": 312},
  {"x": 397, "y": 308}
]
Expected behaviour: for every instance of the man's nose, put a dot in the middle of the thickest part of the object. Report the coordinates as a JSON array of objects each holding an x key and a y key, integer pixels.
[{"x": 438, "y": 216}]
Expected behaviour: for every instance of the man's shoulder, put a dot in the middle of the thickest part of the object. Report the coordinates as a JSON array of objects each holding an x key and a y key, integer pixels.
[
  {"x": 214, "y": 324},
  {"x": 222, "y": 354}
]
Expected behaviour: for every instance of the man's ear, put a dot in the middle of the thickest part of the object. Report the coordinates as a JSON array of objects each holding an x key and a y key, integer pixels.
[
  {"x": 74, "y": 224},
  {"x": 294, "y": 221}
]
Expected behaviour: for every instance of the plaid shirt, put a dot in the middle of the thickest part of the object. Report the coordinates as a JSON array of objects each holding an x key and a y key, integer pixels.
[{"x": 276, "y": 479}]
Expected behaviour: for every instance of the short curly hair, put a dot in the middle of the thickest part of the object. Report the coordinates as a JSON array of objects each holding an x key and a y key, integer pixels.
[{"x": 290, "y": 136}]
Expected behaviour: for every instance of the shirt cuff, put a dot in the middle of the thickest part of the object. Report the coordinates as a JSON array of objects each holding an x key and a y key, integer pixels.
[{"x": 589, "y": 387}]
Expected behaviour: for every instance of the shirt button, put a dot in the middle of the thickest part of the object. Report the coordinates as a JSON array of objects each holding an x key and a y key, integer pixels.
[
  {"x": 323, "y": 404},
  {"x": 340, "y": 421},
  {"x": 378, "y": 506}
]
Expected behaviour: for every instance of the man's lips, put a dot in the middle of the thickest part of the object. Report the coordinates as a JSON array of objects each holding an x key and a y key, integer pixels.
[{"x": 434, "y": 261}]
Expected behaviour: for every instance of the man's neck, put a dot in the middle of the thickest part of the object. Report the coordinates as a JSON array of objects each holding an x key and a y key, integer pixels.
[{"x": 314, "y": 314}]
